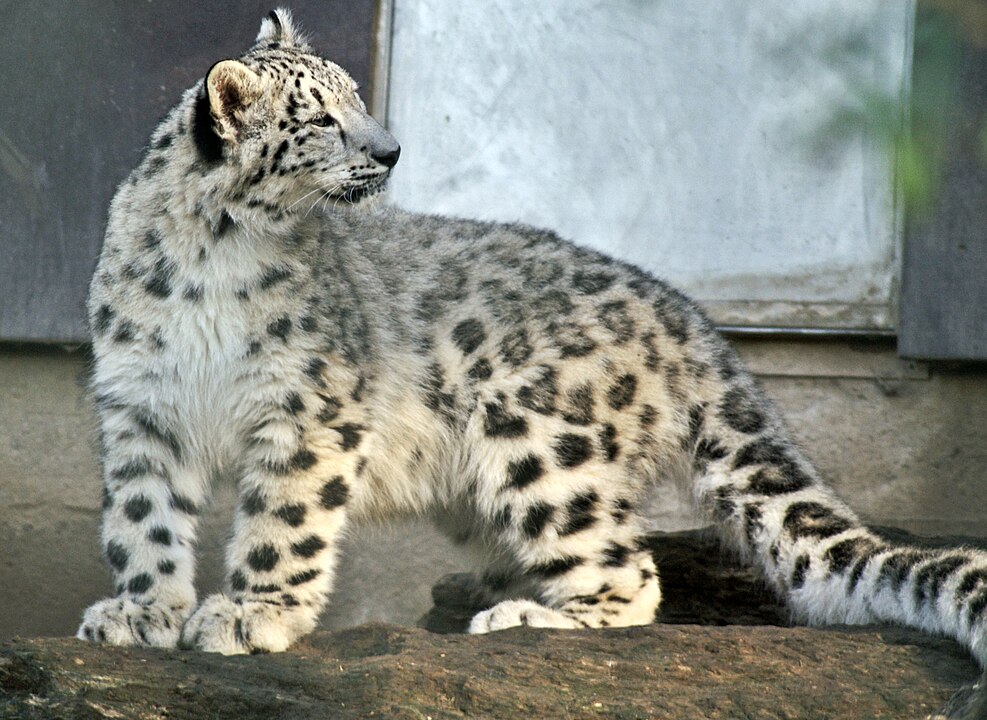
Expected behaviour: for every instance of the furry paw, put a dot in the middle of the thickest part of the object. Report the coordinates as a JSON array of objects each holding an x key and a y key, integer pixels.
[
  {"x": 511, "y": 613},
  {"x": 121, "y": 621},
  {"x": 233, "y": 627}
]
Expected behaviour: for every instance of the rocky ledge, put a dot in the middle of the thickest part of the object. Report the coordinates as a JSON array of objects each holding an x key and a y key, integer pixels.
[{"x": 722, "y": 650}]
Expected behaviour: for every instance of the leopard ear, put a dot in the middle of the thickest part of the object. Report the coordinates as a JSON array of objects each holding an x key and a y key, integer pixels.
[
  {"x": 231, "y": 88},
  {"x": 278, "y": 27}
]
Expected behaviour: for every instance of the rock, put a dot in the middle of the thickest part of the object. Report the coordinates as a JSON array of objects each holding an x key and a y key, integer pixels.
[
  {"x": 743, "y": 663},
  {"x": 661, "y": 671}
]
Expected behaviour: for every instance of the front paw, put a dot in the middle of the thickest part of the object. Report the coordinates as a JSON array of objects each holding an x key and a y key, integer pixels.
[
  {"x": 121, "y": 621},
  {"x": 512, "y": 613},
  {"x": 236, "y": 627}
]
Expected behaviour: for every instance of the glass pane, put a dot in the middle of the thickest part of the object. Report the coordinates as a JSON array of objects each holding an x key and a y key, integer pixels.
[{"x": 702, "y": 141}]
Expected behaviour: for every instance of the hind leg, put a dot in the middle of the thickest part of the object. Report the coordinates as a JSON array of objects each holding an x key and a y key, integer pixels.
[
  {"x": 596, "y": 593},
  {"x": 574, "y": 566},
  {"x": 562, "y": 513}
]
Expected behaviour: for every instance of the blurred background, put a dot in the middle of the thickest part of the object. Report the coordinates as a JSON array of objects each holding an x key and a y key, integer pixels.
[{"x": 812, "y": 171}]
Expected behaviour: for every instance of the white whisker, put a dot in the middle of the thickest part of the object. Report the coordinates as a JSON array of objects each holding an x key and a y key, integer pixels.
[
  {"x": 303, "y": 197},
  {"x": 326, "y": 194}
]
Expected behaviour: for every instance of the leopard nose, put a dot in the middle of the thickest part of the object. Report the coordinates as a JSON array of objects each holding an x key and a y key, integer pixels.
[{"x": 388, "y": 157}]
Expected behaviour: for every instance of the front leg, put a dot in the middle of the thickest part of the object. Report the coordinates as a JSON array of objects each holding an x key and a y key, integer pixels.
[
  {"x": 283, "y": 554},
  {"x": 150, "y": 508}
]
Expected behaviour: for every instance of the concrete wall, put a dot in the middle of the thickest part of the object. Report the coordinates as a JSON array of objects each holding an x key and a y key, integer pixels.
[{"x": 904, "y": 446}]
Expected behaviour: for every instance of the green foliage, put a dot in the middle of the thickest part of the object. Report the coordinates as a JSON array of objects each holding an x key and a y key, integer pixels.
[
  {"x": 935, "y": 106},
  {"x": 916, "y": 124}
]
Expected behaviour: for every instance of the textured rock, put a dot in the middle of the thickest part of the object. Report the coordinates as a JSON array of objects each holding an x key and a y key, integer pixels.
[
  {"x": 744, "y": 663},
  {"x": 661, "y": 671}
]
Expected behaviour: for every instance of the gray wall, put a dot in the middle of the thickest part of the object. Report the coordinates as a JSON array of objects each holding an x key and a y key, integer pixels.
[
  {"x": 82, "y": 85},
  {"x": 903, "y": 446}
]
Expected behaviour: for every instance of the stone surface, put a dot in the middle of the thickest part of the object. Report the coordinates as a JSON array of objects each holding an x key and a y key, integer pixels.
[
  {"x": 660, "y": 671},
  {"x": 742, "y": 663}
]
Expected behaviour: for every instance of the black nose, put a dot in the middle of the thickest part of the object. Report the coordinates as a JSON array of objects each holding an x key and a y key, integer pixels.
[{"x": 389, "y": 157}]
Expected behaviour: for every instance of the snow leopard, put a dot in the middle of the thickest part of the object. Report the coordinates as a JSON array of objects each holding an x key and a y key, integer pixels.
[{"x": 258, "y": 313}]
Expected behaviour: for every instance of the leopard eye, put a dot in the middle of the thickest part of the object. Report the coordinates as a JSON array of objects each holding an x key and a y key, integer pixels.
[{"x": 325, "y": 120}]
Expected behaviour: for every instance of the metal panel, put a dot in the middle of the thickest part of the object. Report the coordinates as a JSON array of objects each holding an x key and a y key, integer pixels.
[
  {"x": 673, "y": 135},
  {"x": 944, "y": 270},
  {"x": 82, "y": 84}
]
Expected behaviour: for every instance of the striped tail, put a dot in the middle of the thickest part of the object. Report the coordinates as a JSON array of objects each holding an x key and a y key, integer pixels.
[{"x": 771, "y": 505}]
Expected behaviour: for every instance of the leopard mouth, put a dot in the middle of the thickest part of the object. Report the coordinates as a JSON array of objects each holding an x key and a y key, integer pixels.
[{"x": 356, "y": 194}]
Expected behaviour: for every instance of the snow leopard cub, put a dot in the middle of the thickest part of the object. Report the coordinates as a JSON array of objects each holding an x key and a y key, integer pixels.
[{"x": 251, "y": 315}]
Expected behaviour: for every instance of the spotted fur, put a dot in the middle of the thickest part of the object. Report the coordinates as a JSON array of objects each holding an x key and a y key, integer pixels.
[{"x": 251, "y": 316}]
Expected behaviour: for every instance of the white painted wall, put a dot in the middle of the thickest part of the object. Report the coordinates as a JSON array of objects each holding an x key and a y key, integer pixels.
[{"x": 675, "y": 135}]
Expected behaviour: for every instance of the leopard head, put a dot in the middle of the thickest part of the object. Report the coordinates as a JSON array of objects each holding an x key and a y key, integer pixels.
[{"x": 290, "y": 124}]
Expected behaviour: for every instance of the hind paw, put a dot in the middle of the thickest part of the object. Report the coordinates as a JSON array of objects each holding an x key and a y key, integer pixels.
[{"x": 512, "y": 613}]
